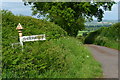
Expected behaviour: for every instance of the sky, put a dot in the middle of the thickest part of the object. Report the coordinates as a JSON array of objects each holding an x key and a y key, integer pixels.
[{"x": 17, "y": 7}]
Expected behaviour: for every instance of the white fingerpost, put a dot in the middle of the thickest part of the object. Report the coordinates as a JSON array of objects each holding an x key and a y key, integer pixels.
[
  {"x": 20, "y": 28},
  {"x": 28, "y": 38}
]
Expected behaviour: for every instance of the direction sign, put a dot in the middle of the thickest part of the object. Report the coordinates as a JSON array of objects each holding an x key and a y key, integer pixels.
[
  {"x": 27, "y": 38},
  {"x": 33, "y": 38}
]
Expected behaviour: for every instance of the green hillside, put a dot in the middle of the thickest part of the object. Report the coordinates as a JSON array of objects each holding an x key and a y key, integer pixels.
[
  {"x": 60, "y": 56},
  {"x": 107, "y": 36}
]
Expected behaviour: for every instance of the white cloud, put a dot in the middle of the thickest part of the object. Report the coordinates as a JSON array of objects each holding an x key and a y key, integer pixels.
[
  {"x": 17, "y": 8},
  {"x": 113, "y": 14},
  {"x": 116, "y": 0}
]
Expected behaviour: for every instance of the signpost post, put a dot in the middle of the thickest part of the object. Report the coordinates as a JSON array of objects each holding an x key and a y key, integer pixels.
[{"x": 20, "y": 28}]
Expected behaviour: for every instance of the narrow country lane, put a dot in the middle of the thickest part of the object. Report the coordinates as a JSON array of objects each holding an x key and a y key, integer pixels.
[{"x": 108, "y": 58}]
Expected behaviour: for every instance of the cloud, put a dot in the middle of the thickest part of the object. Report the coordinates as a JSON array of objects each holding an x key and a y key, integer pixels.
[
  {"x": 116, "y": 0},
  {"x": 17, "y": 8},
  {"x": 113, "y": 14}
]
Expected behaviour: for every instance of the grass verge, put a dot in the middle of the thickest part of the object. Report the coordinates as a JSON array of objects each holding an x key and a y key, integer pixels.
[{"x": 60, "y": 58}]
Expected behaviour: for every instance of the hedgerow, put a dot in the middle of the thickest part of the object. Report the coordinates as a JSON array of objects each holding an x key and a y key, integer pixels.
[
  {"x": 51, "y": 59},
  {"x": 106, "y": 36},
  {"x": 31, "y": 26},
  {"x": 57, "y": 57},
  {"x": 25, "y": 63}
]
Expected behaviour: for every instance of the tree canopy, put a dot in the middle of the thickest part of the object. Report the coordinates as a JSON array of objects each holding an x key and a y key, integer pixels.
[{"x": 71, "y": 16}]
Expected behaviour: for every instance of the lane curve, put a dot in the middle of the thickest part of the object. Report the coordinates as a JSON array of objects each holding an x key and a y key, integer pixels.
[{"x": 107, "y": 57}]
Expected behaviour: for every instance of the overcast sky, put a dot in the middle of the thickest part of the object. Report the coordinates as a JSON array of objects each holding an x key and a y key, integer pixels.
[{"x": 19, "y": 8}]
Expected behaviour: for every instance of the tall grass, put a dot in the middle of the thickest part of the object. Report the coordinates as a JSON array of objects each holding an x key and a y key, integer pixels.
[
  {"x": 60, "y": 58},
  {"x": 77, "y": 61}
]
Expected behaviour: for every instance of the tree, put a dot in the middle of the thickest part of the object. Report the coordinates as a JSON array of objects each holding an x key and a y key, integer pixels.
[{"x": 71, "y": 16}]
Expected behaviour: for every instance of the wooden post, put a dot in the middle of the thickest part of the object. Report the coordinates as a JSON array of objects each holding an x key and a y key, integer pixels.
[{"x": 20, "y": 28}]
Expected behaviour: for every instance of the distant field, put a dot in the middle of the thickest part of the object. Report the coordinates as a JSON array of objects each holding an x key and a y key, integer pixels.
[
  {"x": 93, "y": 26},
  {"x": 80, "y": 33}
]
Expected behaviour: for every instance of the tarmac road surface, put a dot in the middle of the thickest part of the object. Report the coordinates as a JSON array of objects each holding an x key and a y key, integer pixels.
[{"x": 108, "y": 58}]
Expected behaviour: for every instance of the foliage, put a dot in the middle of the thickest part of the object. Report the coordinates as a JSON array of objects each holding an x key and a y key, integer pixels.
[
  {"x": 107, "y": 36},
  {"x": 81, "y": 35},
  {"x": 57, "y": 57},
  {"x": 13, "y": 56},
  {"x": 31, "y": 26},
  {"x": 51, "y": 59},
  {"x": 90, "y": 38},
  {"x": 70, "y": 16},
  {"x": 104, "y": 41}
]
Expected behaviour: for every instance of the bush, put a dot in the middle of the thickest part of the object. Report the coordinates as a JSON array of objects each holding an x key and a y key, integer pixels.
[
  {"x": 107, "y": 36},
  {"x": 90, "y": 38},
  {"x": 51, "y": 59},
  {"x": 101, "y": 40},
  {"x": 22, "y": 64},
  {"x": 31, "y": 26},
  {"x": 104, "y": 41},
  {"x": 57, "y": 57}
]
